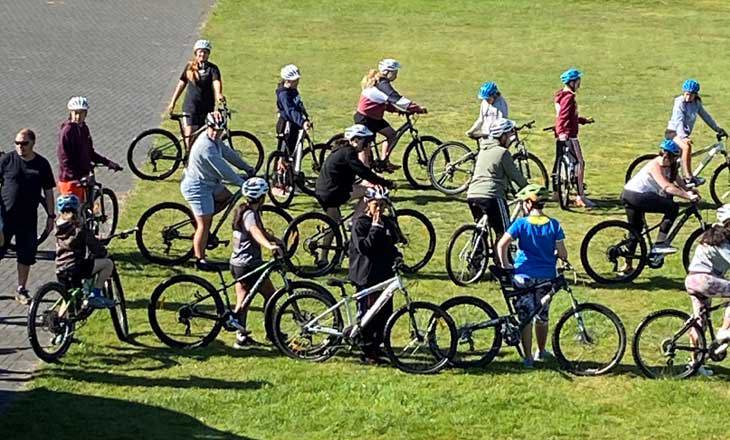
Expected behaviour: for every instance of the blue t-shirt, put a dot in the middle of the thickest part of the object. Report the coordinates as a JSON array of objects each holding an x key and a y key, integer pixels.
[{"x": 536, "y": 236}]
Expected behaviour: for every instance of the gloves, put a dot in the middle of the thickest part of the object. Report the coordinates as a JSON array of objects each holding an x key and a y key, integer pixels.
[
  {"x": 114, "y": 166},
  {"x": 721, "y": 132}
]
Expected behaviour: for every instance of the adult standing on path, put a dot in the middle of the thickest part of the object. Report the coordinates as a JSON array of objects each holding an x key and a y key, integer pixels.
[
  {"x": 204, "y": 88},
  {"x": 25, "y": 174}
]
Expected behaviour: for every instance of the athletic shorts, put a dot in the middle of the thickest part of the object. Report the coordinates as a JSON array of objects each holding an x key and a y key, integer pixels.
[
  {"x": 527, "y": 304},
  {"x": 374, "y": 125},
  {"x": 200, "y": 197},
  {"x": 239, "y": 271},
  {"x": 72, "y": 187},
  {"x": 25, "y": 232},
  {"x": 73, "y": 277}
]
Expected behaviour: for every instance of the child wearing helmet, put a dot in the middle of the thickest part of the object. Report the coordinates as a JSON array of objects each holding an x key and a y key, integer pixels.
[
  {"x": 540, "y": 241},
  {"x": 493, "y": 107},
  {"x": 706, "y": 277},
  {"x": 249, "y": 236},
  {"x": 293, "y": 117},
  {"x": 567, "y": 121},
  {"x": 73, "y": 240},
  {"x": 685, "y": 110}
]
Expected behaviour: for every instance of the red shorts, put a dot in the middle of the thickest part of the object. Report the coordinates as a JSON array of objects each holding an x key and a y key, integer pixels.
[{"x": 72, "y": 187}]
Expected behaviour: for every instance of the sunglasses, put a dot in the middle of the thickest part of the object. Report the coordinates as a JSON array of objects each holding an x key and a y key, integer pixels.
[{"x": 22, "y": 143}]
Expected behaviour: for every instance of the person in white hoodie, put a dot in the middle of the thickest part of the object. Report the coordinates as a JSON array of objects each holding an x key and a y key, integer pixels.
[{"x": 493, "y": 107}]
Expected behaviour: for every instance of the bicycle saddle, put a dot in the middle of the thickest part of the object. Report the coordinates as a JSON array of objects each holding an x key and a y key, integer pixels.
[
  {"x": 178, "y": 116},
  {"x": 212, "y": 266}
]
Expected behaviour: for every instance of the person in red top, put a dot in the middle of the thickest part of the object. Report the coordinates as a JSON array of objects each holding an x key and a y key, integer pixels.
[
  {"x": 75, "y": 151},
  {"x": 567, "y": 121}
]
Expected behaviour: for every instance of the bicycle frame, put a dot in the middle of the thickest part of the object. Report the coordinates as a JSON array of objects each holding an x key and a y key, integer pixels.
[
  {"x": 709, "y": 350},
  {"x": 408, "y": 126},
  {"x": 712, "y": 151},
  {"x": 682, "y": 218}
]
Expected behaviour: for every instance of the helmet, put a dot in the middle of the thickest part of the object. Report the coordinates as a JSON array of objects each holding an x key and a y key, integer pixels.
[
  {"x": 202, "y": 44},
  {"x": 488, "y": 89},
  {"x": 290, "y": 72},
  {"x": 501, "y": 126},
  {"x": 376, "y": 193},
  {"x": 78, "y": 103},
  {"x": 723, "y": 213},
  {"x": 691, "y": 86},
  {"x": 669, "y": 146},
  {"x": 357, "y": 131},
  {"x": 66, "y": 203},
  {"x": 570, "y": 75},
  {"x": 388, "y": 65},
  {"x": 534, "y": 192},
  {"x": 220, "y": 124},
  {"x": 254, "y": 188}
]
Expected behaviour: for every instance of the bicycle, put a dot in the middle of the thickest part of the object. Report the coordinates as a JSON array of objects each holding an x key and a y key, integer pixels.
[
  {"x": 608, "y": 243},
  {"x": 186, "y": 311},
  {"x": 101, "y": 207},
  {"x": 58, "y": 308},
  {"x": 588, "y": 340},
  {"x": 451, "y": 166},
  {"x": 155, "y": 154},
  {"x": 565, "y": 180},
  {"x": 309, "y": 236},
  {"x": 665, "y": 334},
  {"x": 310, "y": 326},
  {"x": 719, "y": 182},
  {"x": 165, "y": 231},
  {"x": 286, "y": 173}
]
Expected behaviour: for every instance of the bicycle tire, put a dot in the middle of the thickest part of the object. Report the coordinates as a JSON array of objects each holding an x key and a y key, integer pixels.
[
  {"x": 613, "y": 251},
  {"x": 642, "y": 360},
  {"x": 406, "y": 238},
  {"x": 113, "y": 289},
  {"x": 266, "y": 212},
  {"x": 720, "y": 197},
  {"x": 248, "y": 151},
  {"x": 293, "y": 241},
  {"x": 564, "y": 185},
  {"x": 67, "y": 326},
  {"x": 584, "y": 367},
  {"x": 208, "y": 292},
  {"x": 471, "y": 254},
  {"x": 687, "y": 249},
  {"x": 523, "y": 164},
  {"x": 110, "y": 219},
  {"x": 637, "y": 164},
  {"x": 176, "y": 157},
  {"x": 183, "y": 218},
  {"x": 464, "y": 331},
  {"x": 273, "y": 303},
  {"x": 310, "y": 171},
  {"x": 283, "y": 181},
  {"x": 415, "y": 162},
  {"x": 442, "y": 353},
  {"x": 449, "y": 159}
]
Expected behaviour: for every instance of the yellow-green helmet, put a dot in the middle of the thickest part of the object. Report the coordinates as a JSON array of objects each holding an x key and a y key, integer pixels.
[{"x": 534, "y": 192}]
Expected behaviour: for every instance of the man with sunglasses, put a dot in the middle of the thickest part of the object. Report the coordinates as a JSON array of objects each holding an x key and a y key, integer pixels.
[{"x": 25, "y": 175}]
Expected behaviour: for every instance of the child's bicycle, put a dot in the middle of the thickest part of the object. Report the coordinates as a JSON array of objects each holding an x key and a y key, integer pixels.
[{"x": 56, "y": 311}]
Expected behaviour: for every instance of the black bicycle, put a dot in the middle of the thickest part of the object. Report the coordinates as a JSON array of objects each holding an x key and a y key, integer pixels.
[
  {"x": 101, "y": 208},
  {"x": 588, "y": 340},
  {"x": 565, "y": 179}
]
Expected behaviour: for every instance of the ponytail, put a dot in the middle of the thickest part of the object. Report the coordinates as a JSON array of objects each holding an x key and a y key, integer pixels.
[
  {"x": 716, "y": 235},
  {"x": 371, "y": 79}
]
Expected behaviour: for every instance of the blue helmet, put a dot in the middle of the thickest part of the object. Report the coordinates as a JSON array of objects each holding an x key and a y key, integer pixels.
[
  {"x": 669, "y": 146},
  {"x": 570, "y": 75},
  {"x": 67, "y": 203},
  {"x": 488, "y": 89},
  {"x": 691, "y": 86}
]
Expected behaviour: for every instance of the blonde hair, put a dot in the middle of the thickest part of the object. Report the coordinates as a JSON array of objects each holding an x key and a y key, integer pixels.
[
  {"x": 371, "y": 79},
  {"x": 191, "y": 70}
]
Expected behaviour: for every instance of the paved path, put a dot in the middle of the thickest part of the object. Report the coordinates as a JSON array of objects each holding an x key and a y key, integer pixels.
[{"x": 124, "y": 55}]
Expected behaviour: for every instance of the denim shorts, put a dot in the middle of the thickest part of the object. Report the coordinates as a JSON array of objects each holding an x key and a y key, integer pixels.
[
  {"x": 200, "y": 196},
  {"x": 529, "y": 303}
]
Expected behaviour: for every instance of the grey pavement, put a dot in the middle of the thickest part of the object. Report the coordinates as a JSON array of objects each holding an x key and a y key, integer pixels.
[{"x": 125, "y": 55}]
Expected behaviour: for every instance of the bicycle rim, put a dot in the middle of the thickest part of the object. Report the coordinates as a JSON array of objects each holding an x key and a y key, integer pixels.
[{"x": 662, "y": 345}]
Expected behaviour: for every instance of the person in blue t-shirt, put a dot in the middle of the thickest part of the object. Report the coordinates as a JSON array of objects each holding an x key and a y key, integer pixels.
[{"x": 540, "y": 241}]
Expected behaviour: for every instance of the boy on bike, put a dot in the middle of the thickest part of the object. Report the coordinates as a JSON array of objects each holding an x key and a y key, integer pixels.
[{"x": 493, "y": 107}]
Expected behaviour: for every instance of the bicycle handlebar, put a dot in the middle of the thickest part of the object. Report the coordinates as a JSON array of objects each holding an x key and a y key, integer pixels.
[
  {"x": 121, "y": 234},
  {"x": 527, "y": 125}
]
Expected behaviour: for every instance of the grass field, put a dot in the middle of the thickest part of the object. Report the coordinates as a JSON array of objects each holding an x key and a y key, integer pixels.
[{"x": 635, "y": 54}]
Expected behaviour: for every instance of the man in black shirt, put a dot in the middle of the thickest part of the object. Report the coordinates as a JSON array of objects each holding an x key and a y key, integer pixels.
[{"x": 25, "y": 175}]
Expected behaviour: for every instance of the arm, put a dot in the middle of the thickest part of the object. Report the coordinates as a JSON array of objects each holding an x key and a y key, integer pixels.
[
  {"x": 677, "y": 119},
  {"x": 398, "y": 102},
  {"x": 95, "y": 246},
  {"x": 564, "y": 108},
  {"x": 362, "y": 171},
  {"x": 562, "y": 250},
  {"x": 707, "y": 118},
  {"x": 667, "y": 186},
  {"x": 479, "y": 123},
  {"x": 367, "y": 240},
  {"x": 66, "y": 156},
  {"x": 511, "y": 171},
  {"x": 261, "y": 237},
  {"x": 291, "y": 110},
  {"x": 221, "y": 168},
  {"x": 236, "y": 160},
  {"x": 51, "y": 207},
  {"x": 176, "y": 93},
  {"x": 503, "y": 247}
]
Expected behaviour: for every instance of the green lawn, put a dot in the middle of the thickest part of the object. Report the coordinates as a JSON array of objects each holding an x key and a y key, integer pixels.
[{"x": 635, "y": 54}]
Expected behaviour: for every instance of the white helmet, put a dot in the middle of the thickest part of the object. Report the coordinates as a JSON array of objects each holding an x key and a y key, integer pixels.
[
  {"x": 290, "y": 72},
  {"x": 376, "y": 193},
  {"x": 78, "y": 103},
  {"x": 219, "y": 124},
  {"x": 723, "y": 213},
  {"x": 501, "y": 126},
  {"x": 202, "y": 44},
  {"x": 254, "y": 188},
  {"x": 388, "y": 65},
  {"x": 357, "y": 131}
]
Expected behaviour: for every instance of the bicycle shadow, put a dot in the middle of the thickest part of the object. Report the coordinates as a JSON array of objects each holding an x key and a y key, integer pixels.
[{"x": 646, "y": 284}]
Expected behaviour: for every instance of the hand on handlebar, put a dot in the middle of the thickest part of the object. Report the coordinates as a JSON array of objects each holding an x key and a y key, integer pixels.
[
  {"x": 590, "y": 120},
  {"x": 721, "y": 133},
  {"x": 694, "y": 197}
]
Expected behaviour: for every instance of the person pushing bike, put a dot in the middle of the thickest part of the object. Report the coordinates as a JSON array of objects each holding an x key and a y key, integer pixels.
[
  {"x": 493, "y": 107},
  {"x": 293, "y": 117}
]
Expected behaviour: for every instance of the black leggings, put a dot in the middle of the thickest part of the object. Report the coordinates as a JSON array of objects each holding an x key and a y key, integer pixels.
[
  {"x": 496, "y": 212},
  {"x": 637, "y": 204}
]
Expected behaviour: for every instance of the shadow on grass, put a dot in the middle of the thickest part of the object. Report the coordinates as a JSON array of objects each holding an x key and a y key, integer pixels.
[
  {"x": 648, "y": 284},
  {"x": 36, "y": 413}
]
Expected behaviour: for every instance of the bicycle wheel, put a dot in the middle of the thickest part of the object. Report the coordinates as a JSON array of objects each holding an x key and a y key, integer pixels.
[
  {"x": 477, "y": 333},
  {"x": 310, "y": 168},
  {"x": 451, "y": 167},
  {"x": 415, "y": 161},
  {"x": 589, "y": 340},
  {"x": 248, "y": 147},
  {"x": 420, "y": 338},
  {"x": 275, "y": 220},
  {"x": 165, "y": 234},
  {"x": 564, "y": 185},
  {"x": 154, "y": 154},
  {"x": 113, "y": 289},
  {"x": 417, "y": 239},
  {"x": 467, "y": 255},
  {"x": 720, "y": 185},
  {"x": 185, "y": 311},
  {"x": 691, "y": 244},
  {"x": 280, "y": 176},
  {"x": 105, "y": 213},
  {"x": 49, "y": 328},
  {"x": 637, "y": 165},
  {"x": 274, "y": 302},
  {"x": 663, "y": 348},
  {"x": 613, "y": 252},
  {"x": 531, "y": 168},
  {"x": 314, "y": 245},
  {"x": 294, "y": 339}
]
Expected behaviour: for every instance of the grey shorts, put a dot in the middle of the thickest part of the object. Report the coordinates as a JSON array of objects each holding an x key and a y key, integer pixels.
[
  {"x": 200, "y": 197},
  {"x": 528, "y": 304}
]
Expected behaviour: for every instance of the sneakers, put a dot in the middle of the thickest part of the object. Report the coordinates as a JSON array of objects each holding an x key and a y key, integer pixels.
[
  {"x": 704, "y": 371},
  {"x": 22, "y": 296},
  {"x": 543, "y": 356},
  {"x": 723, "y": 335},
  {"x": 244, "y": 340},
  {"x": 528, "y": 363},
  {"x": 695, "y": 181},
  {"x": 584, "y": 202},
  {"x": 97, "y": 300},
  {"x": 322, "y": 263},
  {"x": 663, "y": 248}
]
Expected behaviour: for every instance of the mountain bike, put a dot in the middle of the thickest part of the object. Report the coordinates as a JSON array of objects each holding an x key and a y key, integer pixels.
[
  {"x": 314, "y": 236},
  {"x": 100, "y": 208},
  {"x": 612, "y": 246},
  {"x": 663, "y": 344},
  {"x": 58, "y": 309},
  {"x": 565, "y": 179},
  {"x": 186, "y": 311},
  {"x": 165, "y": 231},
  {"x": 451, "y": 166},
  {"x": 588, "y": 340},
  {"x": 720, "y": 180},
  {"x": 155, "y": 154},
  {"x": 419, "y": 337}
]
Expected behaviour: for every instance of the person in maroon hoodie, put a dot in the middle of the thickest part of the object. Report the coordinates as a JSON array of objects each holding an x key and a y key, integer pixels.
[
  {"x": 76, "y": 154},
  {"x": 567, "y": 121}
]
